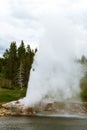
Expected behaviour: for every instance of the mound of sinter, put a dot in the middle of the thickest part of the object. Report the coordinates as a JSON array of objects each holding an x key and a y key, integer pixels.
[{"x": 17, "y": 108}]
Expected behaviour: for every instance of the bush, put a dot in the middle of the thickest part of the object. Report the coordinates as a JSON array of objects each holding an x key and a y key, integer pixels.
[{"x": 83, "y": 86}]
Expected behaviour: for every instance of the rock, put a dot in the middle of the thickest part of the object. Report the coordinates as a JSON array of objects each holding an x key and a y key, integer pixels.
[
  {"x": 4, "y": 112},
  {"x": 16, "y": 108},
  {"x": 29, "y": 111}
]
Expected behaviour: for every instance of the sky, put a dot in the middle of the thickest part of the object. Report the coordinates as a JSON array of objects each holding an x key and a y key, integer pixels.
[{"x": 30, "y": 20}]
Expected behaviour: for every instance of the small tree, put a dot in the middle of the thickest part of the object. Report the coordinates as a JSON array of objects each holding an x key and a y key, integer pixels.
[{"x": 20, "y": 76}]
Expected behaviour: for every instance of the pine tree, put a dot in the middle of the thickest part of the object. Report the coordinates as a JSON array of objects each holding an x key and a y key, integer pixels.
[
  {"x": 18, "y": 63},
  {"x": 21, "y": 52},
  {"x": 11, "y": 61}
]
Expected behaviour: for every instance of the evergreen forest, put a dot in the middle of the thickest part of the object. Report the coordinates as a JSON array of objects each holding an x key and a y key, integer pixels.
[{"x": 15, "y": 66}]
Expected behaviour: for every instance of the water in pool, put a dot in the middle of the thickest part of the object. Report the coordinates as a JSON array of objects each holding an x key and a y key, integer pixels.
[{"x": 44, "y": 123}]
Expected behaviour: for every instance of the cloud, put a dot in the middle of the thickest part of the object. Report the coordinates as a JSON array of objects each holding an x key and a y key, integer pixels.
[
  {"x": 17, "y": 22},
  {"x": 28, "y": 19}
]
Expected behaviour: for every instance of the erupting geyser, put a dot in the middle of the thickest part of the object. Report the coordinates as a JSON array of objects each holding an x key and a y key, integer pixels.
[
  {"x": 55, "y": 73},
  {"x": 59, "y": 28}
]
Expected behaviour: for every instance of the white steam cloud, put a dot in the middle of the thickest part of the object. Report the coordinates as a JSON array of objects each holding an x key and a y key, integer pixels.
[{"x": 56, "y": 76}]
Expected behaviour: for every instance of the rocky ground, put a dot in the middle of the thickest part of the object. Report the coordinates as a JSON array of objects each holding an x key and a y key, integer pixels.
[
  {"x": 66, "y": 107},
  {"x": 16, "y": 108},
  {"x": 4, "y": 112}
]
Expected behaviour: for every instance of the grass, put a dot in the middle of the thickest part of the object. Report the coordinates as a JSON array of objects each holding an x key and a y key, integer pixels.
[{"x": 7, "y": 95}]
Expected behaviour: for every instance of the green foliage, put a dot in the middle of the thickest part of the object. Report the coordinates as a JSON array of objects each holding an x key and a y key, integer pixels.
[
  {"x": 83, "y": 86},
  {"x": 83, "y": 81},
  {"x": 15, "y": 69},
  {"x": 83, "y": 96},
  {"x": 10, "y": 57},
  {"x": 16, "y": 64},
  {"x": 21, "y": 52}
]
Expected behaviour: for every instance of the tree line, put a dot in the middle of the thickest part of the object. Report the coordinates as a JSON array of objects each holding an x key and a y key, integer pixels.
[
  {"x": 83, "y": 81},
  {"x": 16, "y": 64}
]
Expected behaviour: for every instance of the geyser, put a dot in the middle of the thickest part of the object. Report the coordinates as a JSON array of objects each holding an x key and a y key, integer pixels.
[{"x": 55, "y": 73}]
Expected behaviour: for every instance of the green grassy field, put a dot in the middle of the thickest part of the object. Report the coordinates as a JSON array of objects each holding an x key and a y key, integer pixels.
[{"x": 7, "y": 95}]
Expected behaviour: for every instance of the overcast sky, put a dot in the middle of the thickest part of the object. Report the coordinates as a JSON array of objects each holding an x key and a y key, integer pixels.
[{"x": 28, "y": 20}]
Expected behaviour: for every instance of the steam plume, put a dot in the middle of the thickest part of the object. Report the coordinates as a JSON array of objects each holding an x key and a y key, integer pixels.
[{"x": 57, "y": 74}]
